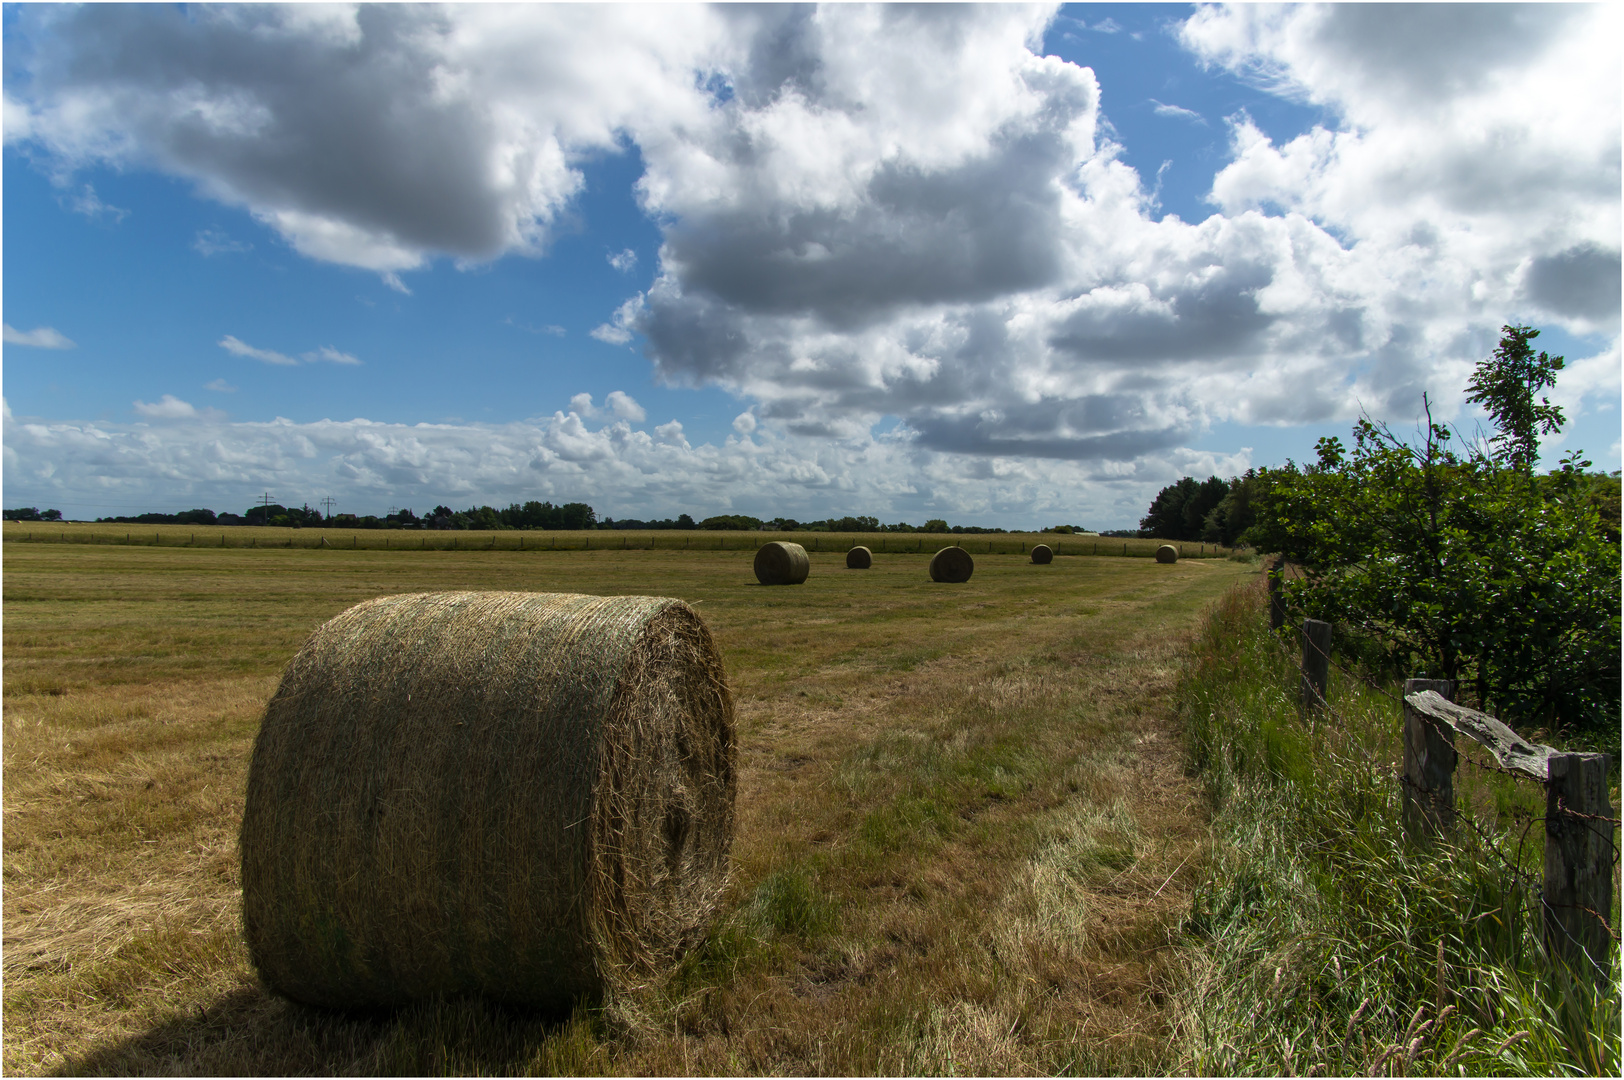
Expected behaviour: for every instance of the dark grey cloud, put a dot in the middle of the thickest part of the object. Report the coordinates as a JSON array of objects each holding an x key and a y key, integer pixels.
[
  {"x": 1583, "y": 281},
  {"x": 981, "y": 230},
  {"x": 352, "y": 130},
  {"x": 1212, "y": 318},
  {"x": 1057, "y": 429},
  {"x": 1433, "y": 51}
]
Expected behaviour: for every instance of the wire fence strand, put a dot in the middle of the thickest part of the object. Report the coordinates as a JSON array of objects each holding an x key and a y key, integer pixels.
[{"x": 1513, "y": 865}]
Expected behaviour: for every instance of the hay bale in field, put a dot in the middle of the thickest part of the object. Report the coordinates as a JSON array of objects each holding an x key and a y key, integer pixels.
[
  {"x": 951, "y": 564},
  {"x": 1042, "y": 554},
  {"x": 859, "y": 558},
  {"x": 782, "y": 563},
  {"x": 521, "y": 796},
  {"x": 1167, "y": 553}
]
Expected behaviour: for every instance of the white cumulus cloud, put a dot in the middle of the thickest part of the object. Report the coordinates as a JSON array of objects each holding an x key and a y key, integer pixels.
[
  {"x": 872, "y": 212},
  {"x": 168, "y": 407},
  {"x": 330, "y": 355},
  {"x": 42, "y": 337},
  {"x": 241, "y": 348},
  {"x": 620, "y": 469}
]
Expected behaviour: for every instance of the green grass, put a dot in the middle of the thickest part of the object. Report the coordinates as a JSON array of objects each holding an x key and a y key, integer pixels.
[
  {"x": 1322, "y": 939},
  {"x": 965, "y": 840}
]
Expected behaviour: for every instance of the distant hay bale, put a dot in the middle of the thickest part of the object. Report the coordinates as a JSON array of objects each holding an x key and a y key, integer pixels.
[
  {"x": 1167, "y": 553},
  {"x": 782, "y": 563},
  {"x": 1042, "y": 554},
  {"x": 522, "y": 796},
  {"x": 859, "y": 558},
  {"x": 951, "y": 564}
]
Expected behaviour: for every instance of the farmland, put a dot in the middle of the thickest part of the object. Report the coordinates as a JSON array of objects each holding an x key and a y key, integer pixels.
[{"x": 965, "y": 834}]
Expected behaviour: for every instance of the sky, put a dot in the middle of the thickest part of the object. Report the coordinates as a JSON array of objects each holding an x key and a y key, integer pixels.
[{"x": 1012, "y": 266}]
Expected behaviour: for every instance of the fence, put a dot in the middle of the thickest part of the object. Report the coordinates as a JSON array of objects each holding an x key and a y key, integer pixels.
[{"x": 1576, "y": 893}]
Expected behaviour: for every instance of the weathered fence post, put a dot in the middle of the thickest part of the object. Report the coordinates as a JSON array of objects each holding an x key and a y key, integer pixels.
[
  {"x": 1429, "y": 765},
  {"x": 1277, "y": 598},
  {"x": 1578, "y": 891},
  {"x": 1316, "y": 662}
]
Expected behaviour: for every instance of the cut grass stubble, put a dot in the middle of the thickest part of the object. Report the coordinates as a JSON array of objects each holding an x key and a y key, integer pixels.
[{"x": 963, "y": 840}]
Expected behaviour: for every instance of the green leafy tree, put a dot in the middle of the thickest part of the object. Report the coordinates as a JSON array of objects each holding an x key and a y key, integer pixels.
[
  {"x": 1180, "y": 511},
  {"x": 1505, "y": 386},
  {"x": 1235, "y": 512},
  {"x": 1451, "y": 562}
]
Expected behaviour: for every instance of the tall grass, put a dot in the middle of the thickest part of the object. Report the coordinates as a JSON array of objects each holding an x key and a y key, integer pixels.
[{"x": 1323, "y": 942}]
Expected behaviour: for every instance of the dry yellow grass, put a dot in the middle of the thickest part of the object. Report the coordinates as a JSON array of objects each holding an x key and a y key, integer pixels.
[{"x": 963, "y": 830}]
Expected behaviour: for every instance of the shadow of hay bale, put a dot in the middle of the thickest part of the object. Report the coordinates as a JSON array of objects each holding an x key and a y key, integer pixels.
[
  {"x": 250, "y": 1032},
  {"x": 782, "y": 563},
  {"x": 951, "y": 564},
  {"x": 521, "y": 796}
]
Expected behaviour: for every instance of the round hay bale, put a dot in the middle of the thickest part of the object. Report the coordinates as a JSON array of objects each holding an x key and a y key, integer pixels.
[
  {"x": 859, "y": 558},
  {"x": 521, "y": 796},
  {"x": 951, "y": 564},
  {"x": 1042, "y": 554},
  {"x": 782, "y": 563},
  {"x": 1167, "y": 553}
]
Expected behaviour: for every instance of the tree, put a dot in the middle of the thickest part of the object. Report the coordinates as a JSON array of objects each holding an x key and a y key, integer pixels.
[
  {"x": 1235, "y": 512},
  {"x": 1180, "y": 510},
  {"x": 1453, "y": 563},
  {"x": 1505, "y": 385}
]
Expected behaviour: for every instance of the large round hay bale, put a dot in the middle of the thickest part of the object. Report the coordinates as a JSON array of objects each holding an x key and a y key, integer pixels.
[
  {"x": 1042, "y": 554},
  {"x": 521, "y": 796},
  {"x": 859, "y": 558},
  {"x": 1167, "y": 553},
  {"x": 782, "y": 563},
  {"x": 951, "y": 564}
]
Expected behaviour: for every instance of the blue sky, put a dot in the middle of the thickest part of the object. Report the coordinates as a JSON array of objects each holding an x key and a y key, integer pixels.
[{"x": 789, "y": 261}]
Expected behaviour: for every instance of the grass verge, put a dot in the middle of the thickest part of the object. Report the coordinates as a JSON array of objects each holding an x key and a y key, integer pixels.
[{"x": 1322, "y": 942}]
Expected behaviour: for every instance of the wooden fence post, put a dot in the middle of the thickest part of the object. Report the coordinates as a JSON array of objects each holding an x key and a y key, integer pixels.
[
  {"x": 1277, "y": 597},
  {"x": 1428, "y": 794},
  {"x": 1316, "y": 662},
  {"x": 1578, "y": 894}
]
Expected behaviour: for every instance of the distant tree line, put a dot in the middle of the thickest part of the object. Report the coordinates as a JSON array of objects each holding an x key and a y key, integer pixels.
[
  {"x": 744, "y": 522},
  {"x": 530, "y": 515},
  {"x": 33, "y": 513}
]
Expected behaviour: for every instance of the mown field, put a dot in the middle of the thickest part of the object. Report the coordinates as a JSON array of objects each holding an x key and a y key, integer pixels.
[
  {"x": 965, "y": 838},
  {"x": 74, "y": 532}
]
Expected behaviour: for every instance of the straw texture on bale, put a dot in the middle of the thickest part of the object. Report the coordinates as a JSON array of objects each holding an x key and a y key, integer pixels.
[
  {"x": 782, "y": 563},
  {"x": 951, "y": 564},
  {"x": 1167, "y": 553},
  {"x": 521, "y": 796},
  {"x": 859, "y": 558},
  {"x": 1042, "y": 554}
]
